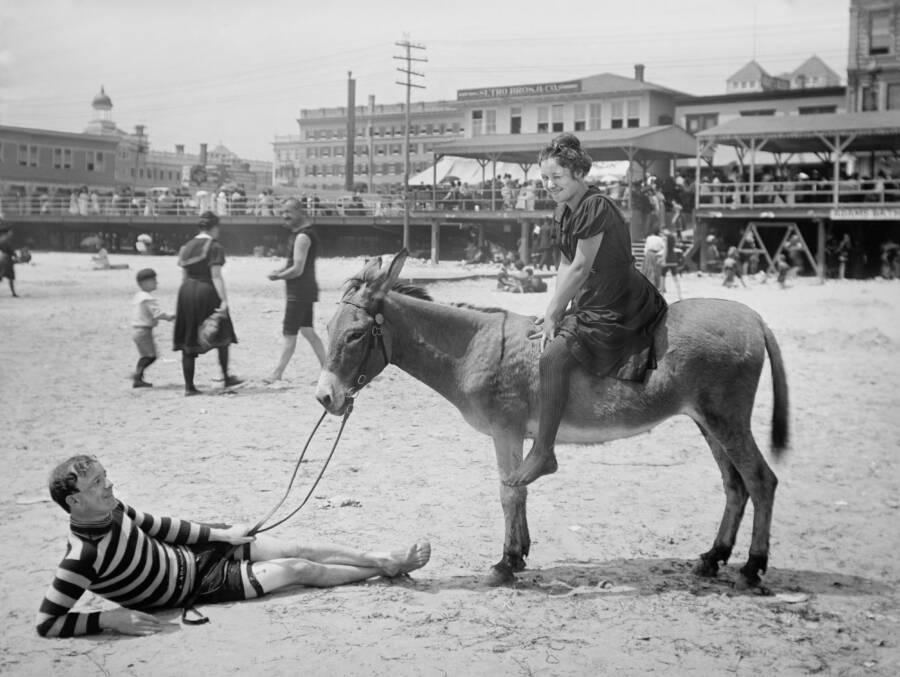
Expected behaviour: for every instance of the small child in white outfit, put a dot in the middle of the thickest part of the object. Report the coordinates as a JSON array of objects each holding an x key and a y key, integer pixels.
[{"x": 146, "y": 316}]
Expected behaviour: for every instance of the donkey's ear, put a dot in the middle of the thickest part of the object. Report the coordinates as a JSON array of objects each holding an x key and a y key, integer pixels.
[
  {"x": 389, "y": 279},
  {"x": 371, "y": 269}
]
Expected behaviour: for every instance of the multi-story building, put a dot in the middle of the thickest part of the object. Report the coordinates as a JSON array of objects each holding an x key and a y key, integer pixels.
[
  {"x": 43, "y": 161},
  {"x": 603, "y": 101},
  {"x": 105, "y": 158},
  {"x": 316, "y": 158},
  {"x": 873, "y": 67}
]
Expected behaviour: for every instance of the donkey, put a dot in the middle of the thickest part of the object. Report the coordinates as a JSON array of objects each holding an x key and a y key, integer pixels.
[{"x": 710, "y": 357}]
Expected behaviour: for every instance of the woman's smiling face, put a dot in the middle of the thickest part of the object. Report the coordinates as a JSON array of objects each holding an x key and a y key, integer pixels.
[{"x": 559, "y": 181}]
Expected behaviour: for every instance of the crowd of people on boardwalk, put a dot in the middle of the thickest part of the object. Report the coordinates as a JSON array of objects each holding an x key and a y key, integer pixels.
[
  {"x": 503, "y": 192},
  {"x": 731, "y": 186}
]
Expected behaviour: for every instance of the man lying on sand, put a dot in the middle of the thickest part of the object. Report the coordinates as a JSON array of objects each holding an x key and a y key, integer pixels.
[{"x": 146, "y": 562}]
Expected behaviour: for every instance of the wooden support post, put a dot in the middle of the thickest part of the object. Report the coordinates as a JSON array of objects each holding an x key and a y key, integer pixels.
[
  {"x": 525, "y": 244},
  {"x": 437, "y": 158},
  {"x": 493, "y": 187},
  {"x": 700, "y": 231},
  {"x": 435, "y": 242},
  {"x": 820, "y": 250}
]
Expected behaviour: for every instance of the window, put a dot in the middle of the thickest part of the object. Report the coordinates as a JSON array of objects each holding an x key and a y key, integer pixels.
[
  {"x": 94, "y": 161},
  {"x": 312, "y": 152},
  {"x": 429, "y": 128},
  {"x": 633, "y": 112},
  {"x": 338, "y": 151},
  {"x": 396, "y": 148},
  {"x": 617, "y": 115},
  {"x": 761, "y": 111},
  {"x": 557, "y": 112},
  {"x": 580, "y": 122},
  {"x": 490, "y": 122},
  {"x": 28, "y": 155},
  {"x": 515, "y": 120},
  {"x": 880, "y": 31},
  {"x": 62, "y": 158},
  {"x": 594, "y": 120},
  {"x": 815, "y": 110},
  {"x": 893, "y": 96},
  {"x": 477, "y": 122},
  {"x": 380, "y": 149},
  {"x": 697, "y": 122},
  {"x": 543, "y": 123},
  {"x": 325, "y": 151}
]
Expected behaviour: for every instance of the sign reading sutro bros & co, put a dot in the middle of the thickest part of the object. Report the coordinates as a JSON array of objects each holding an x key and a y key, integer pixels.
[{"x": 568, "y": 87}]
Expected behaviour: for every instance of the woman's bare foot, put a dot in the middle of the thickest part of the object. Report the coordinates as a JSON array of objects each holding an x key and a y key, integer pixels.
[{"x": 403, "y": 561}]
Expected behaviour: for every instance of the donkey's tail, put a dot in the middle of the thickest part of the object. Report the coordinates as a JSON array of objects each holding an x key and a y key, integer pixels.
[{"x": 780, "y": 394}]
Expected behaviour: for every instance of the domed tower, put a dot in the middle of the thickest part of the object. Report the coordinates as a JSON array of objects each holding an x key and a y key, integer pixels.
[{"x": 101, "y": 122}]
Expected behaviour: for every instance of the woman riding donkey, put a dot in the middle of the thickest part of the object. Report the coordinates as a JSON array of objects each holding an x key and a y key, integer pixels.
[{"x": 614, "y": 308}]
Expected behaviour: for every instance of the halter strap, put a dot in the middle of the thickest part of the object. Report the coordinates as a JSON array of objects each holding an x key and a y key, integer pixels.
[{"x": 376, "y": 336}]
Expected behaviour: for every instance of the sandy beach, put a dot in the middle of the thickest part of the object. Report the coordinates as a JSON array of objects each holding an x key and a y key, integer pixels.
[{"x": 615, "y": 532}]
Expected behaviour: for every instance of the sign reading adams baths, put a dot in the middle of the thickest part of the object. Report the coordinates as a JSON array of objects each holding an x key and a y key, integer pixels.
[{"x": 568, "y": 87}]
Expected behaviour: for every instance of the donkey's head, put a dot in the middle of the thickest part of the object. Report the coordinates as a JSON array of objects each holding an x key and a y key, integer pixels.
[{"x": 357, "y": 351}]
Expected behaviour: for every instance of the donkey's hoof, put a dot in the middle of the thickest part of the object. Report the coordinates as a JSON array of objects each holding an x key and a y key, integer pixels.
[
  {"x": 499, "y": 575},
  {"x": 706, "y": 568},
  {"x": 744, "y": 583}
]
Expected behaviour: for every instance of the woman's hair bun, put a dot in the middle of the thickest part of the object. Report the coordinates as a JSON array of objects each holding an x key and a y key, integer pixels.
[{"x": 566, "y": 140}]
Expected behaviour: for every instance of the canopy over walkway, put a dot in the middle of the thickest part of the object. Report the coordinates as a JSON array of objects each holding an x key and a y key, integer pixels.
[{"x": 642, "y": 144}]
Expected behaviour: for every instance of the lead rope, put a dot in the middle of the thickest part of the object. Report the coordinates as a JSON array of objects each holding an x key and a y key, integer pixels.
[{"x": 189, "y": 604}]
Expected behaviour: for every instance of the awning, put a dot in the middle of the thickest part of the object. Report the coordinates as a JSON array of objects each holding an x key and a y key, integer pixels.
[
  {"x": 873, "y": 131},
  {"x": 642, "y": 144}
]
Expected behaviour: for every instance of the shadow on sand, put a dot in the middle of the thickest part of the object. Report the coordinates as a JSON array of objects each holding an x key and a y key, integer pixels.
[{"x": 655, "y": 576}]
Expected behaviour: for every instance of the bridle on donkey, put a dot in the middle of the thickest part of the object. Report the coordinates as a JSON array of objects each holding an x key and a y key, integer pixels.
[{"x": 375, "y": 338}]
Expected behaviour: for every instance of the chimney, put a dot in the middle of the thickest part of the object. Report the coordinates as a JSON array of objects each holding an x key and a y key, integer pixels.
[
  {"x": 202, "y": 160},
  {"x": 639, "y": 72},
  {"x": 179, "y": 149}
]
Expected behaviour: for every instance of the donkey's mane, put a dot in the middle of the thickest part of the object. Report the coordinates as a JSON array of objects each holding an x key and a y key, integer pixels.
[
  {"x": 482, "y": 309},
  {"x": 353, "y": 284}
]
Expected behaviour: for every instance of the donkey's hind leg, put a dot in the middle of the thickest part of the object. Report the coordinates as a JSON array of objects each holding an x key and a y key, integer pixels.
[
  {"x": 760, "y": 482},
  {"x": 735, "y": 501}
]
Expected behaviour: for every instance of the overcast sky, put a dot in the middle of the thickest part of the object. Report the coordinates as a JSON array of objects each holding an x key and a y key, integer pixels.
[{"x": 238, "y": 72}]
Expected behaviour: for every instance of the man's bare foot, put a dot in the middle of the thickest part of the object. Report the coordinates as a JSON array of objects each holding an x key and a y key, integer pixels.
[
  {"x": 269, "y": 380},
  {"x": 536, "y": 464},
  {"x": 404, "y": 561}
]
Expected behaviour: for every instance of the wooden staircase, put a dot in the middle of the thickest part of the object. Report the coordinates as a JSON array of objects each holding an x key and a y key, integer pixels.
[{"x": 637, "y": 251}]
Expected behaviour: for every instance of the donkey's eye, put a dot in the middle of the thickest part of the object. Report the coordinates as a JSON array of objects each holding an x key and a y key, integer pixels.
[{"x": 355, "y": 336}]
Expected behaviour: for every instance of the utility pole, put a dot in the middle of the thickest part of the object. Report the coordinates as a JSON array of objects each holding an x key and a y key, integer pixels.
[
  {"x": 409, "y": 84},
  {"x": 351, "y": 133}
]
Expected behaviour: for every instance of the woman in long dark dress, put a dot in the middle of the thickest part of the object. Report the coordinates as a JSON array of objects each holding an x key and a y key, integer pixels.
[
  {"x": 202, "y": 292},
  {"x": 7, "y": 258},
  {"x": 614, "y": 309}
]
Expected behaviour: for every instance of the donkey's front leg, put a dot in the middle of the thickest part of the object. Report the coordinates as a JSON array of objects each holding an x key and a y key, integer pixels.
[{"x": 517, "y": 541}]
